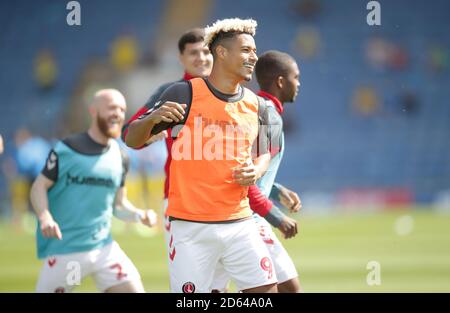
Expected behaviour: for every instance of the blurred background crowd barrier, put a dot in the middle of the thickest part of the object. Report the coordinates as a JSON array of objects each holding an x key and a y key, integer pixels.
[{"x": 368, "y": 131}]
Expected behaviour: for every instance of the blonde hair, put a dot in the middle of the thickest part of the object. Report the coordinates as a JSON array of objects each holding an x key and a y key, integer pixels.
[{"x": 237, "y": 25}]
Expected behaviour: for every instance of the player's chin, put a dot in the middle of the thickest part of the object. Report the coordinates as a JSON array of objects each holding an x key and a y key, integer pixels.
[
  {"x": 203, "y": 72},
  {"x": 247, "y": 77},
  {"x": 114, "y": 132},
  {"x": 293, "y": 98},
  {"x": 245, "y": 73},
  {"x": 198, "y": 72}
]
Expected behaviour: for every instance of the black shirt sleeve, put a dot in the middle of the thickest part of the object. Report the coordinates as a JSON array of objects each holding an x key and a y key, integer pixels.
[
  {"x": 125, "y": 166},
  {"x": 146, "y": 109},
  {"x": 156, "y": 95},
  {"x": 50, "y": 169},
  {"x": 180, "y": 92}
]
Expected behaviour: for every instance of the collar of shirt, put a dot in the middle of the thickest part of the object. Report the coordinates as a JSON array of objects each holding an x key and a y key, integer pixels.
[
  {"x": 187, "y": 76},
  {"x": 274, "y": 99}
]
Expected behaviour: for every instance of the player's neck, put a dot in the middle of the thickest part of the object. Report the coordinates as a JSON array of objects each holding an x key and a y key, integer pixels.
[
  {"x": 97, "y": 135},
  {"x": 276, "y": 94},
  {"x": 223, "y": 82}
]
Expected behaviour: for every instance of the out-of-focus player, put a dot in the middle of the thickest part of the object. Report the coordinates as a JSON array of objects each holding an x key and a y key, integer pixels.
[{"x": 79, "y": 189}]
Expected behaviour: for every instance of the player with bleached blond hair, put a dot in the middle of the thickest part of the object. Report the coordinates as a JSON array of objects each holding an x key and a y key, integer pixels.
[
  {"x": 278, "y": 76},
  {"x": 81, "y": 186},
  {"x": 211, "y": 220}
]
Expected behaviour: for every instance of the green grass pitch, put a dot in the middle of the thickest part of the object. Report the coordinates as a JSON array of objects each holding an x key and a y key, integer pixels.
[{"x": 331, "y": 254}]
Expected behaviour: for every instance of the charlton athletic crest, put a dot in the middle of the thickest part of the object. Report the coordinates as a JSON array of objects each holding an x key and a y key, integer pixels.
[{"x": 188, "y": 287}]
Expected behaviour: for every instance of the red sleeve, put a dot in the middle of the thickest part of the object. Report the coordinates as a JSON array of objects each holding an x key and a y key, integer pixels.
[
  {"x": 258, "y": 202},
  {"x": 139, "y": 113}
]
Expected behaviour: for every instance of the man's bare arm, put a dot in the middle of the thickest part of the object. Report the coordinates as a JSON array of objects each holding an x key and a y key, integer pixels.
[
  {"x": 126, "y": 211},
  {"x": 39, "y": 201}
]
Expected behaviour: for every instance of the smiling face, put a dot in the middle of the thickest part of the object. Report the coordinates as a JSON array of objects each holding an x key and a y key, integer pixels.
[
  {"x": 109, "y": 112},
  {"x": 240, "y": 56},
  {"x": 196, "y": 59}
]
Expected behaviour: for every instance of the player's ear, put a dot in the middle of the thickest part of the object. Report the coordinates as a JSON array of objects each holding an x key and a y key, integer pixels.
[
  {"x": 280, "y": 81},
  {"x": 221, "y": 51}
]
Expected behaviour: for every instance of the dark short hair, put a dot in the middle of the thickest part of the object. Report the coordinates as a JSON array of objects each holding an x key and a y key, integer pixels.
[
  {"x": 221, "y": 37},
  {"x": 270, "y": 65},
  {"x": 191, "y": 36}
]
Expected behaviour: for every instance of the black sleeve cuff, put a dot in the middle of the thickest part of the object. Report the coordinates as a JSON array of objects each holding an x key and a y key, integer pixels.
[{"x": 275, "y": 216}]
